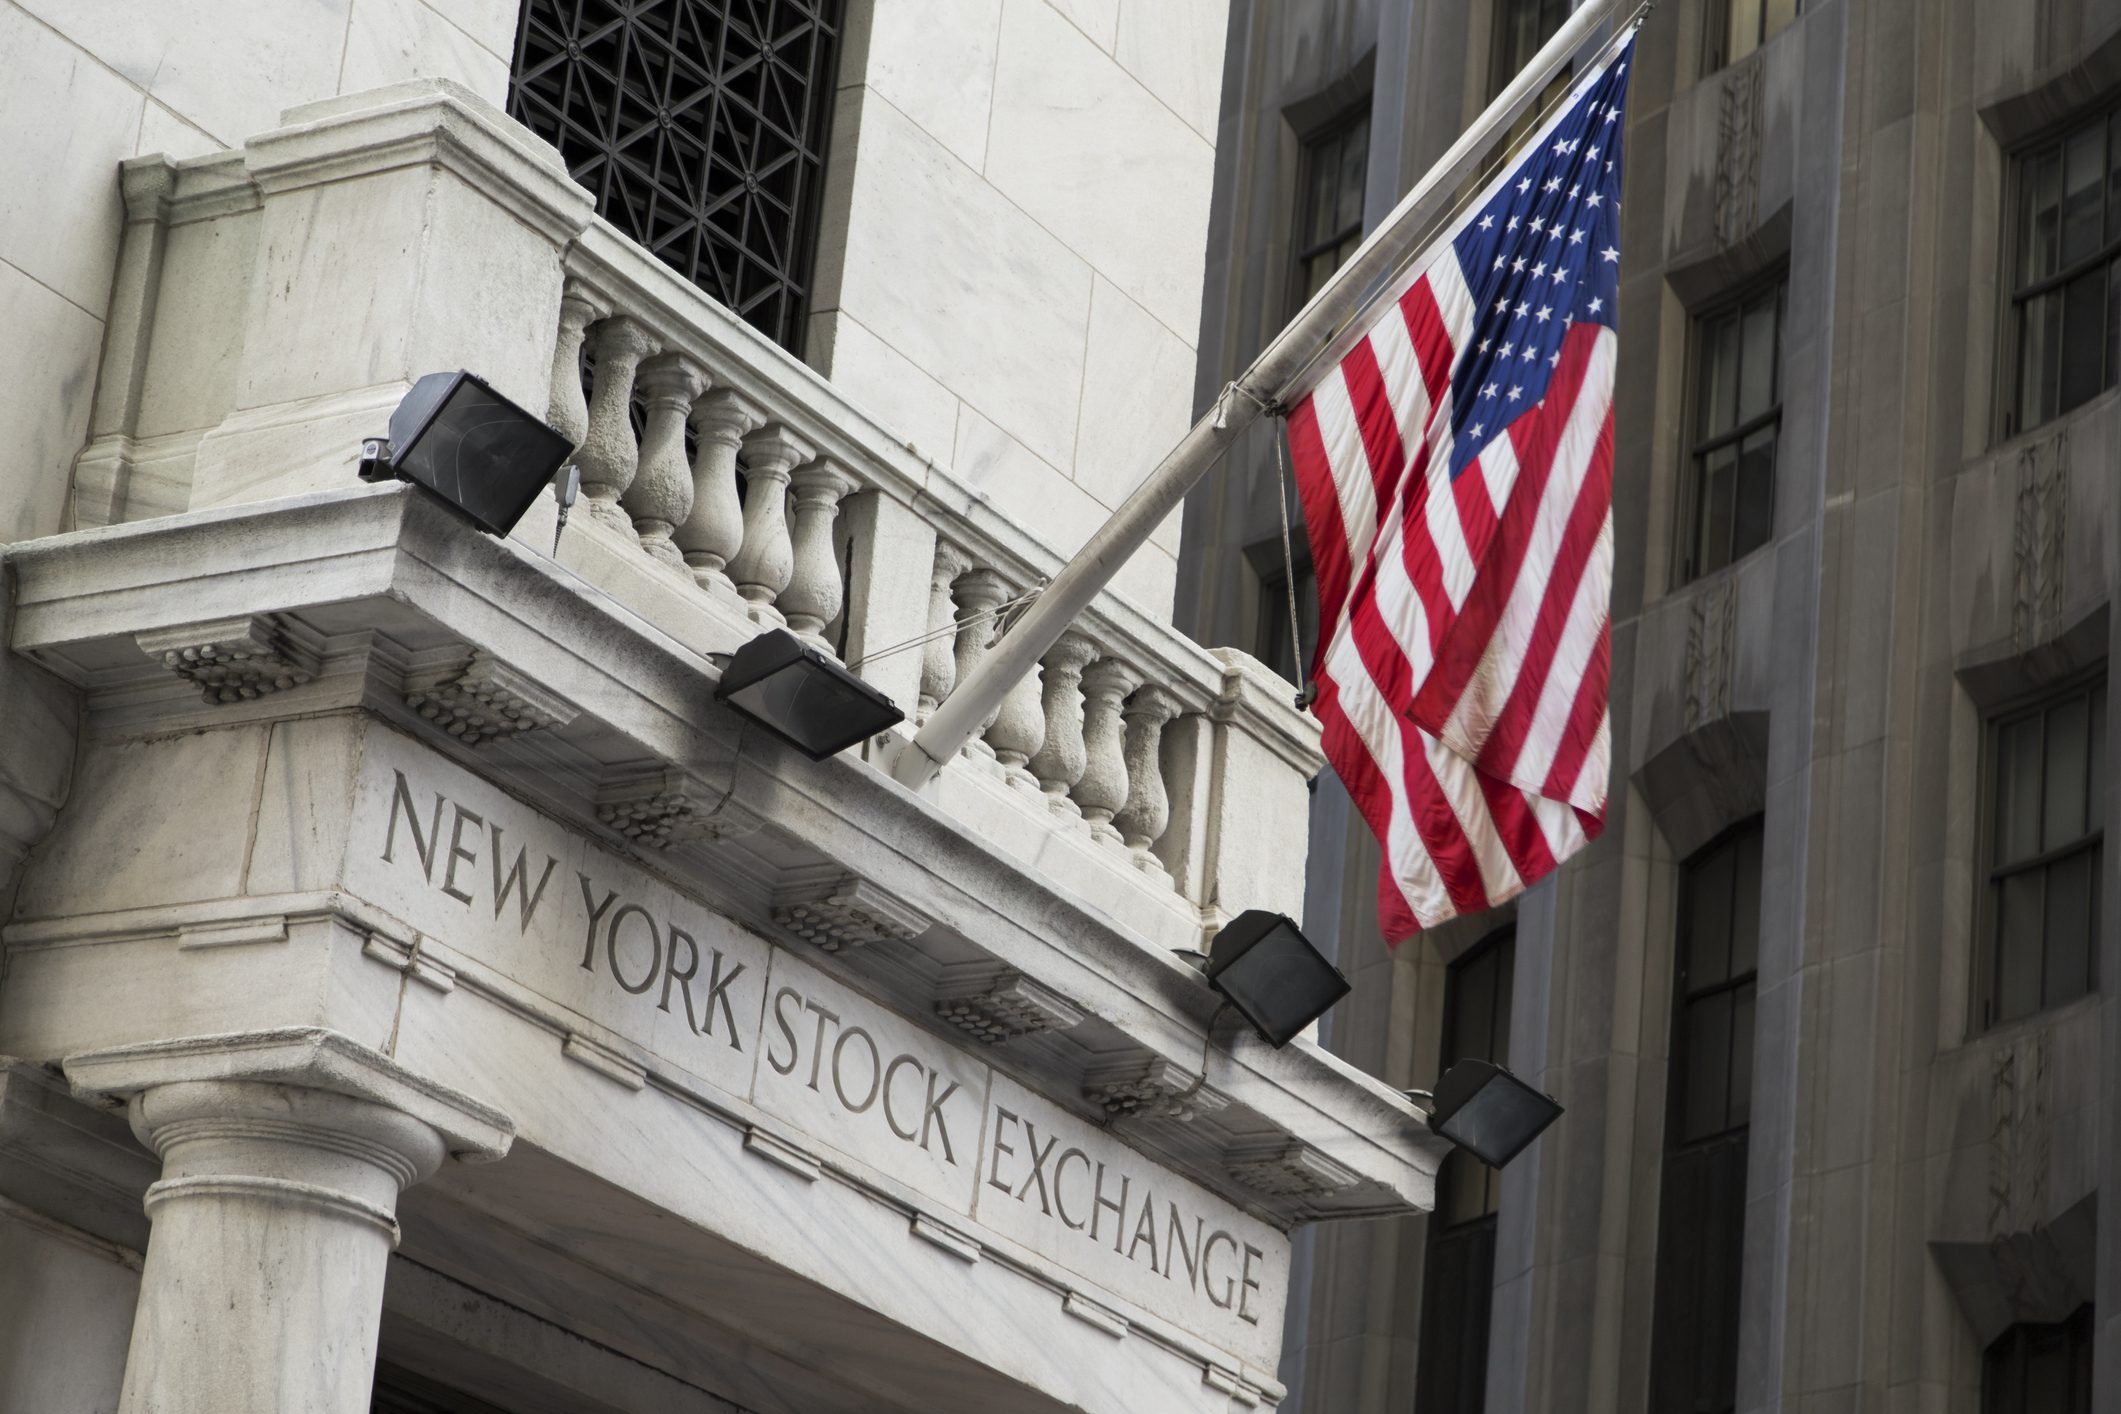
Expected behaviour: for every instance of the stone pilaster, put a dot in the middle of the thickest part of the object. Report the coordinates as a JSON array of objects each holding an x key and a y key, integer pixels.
[{"x": 283, "y": 1154}]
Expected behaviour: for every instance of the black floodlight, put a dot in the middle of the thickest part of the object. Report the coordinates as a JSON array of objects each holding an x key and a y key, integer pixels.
[
  {"x": 1269, "y": 971},
  {"x": 1488, "y": 1112},
  {"x": 803, "y": 696},
  {"x": 456, "y": 436}
]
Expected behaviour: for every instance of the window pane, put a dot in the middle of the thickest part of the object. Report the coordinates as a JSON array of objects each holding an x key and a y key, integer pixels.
[
  {"x": 1744, "y": 29},
  {"x": 2068, "y": 747},
  {"x": 2018, "y": 946},
  {"x": 1756, "y": 388},
  {"x": 2039, "y": 359},
  {"x": 2067, "y": 972},
  {"x": 1354, "y": 152},
  {"x": 1719, "y": 378},
  {"x": 1754, "y": 516},
  {"x": 1706, "y": 1082},
  {"x": 1745, "y": 907},
  {"x": 2040, "y": 202},
  {"x": 1779, "y": 15},
  {"x": 1318, "y": 202},
  {"x": 1708, "y": 951},
  {"x": 2096, "y": 805},
  {"x": 2083, "y": 370},
  {"x": 2018, "y": 790},
  {"x": 1742, "y": 1056},
  {"x": 1718, "y": 497},
  {"x": 2083, "y": 187},
  {"x": 1470, "y": 998}
]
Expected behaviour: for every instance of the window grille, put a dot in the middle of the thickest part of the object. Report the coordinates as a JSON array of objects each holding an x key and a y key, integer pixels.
[
  {"x": 699, "y": 126},
  {"x": 2066, "y": 239},
  {"x": 2044, "y": 826},
  {"x": 1727, "y": 506}
]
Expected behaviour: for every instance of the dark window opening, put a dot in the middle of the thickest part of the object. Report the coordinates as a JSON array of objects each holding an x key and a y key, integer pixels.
[
  {"x": 1701, "y": 1218},
  {"x": 2065, "y": 275},
  {"x": 1737, "y": 27},
  {"x": 1522, "y": 28},
  {"x": 1329, "y": 202},
  {"x": 1271, "y": 642},
  {"x": 1727, "y": 508},
  {"x": 1458, "y": 1278},
  {"x": 700, "y": 129},
  {"x": 2040, "y": 1369},
  {"x": 2045, "y": 825}
]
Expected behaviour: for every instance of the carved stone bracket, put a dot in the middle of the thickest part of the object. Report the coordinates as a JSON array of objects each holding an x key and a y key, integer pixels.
[
  {"x": 1738, "y": 154},
  {"x": 233, "y": 660},
  {"x": 992, "y": 1009},
  {"x": 661, "y": 809},
  {"x": 1157, "y": 1088},
  {"x": 1710, "y": 643},
  {"x": 837, "y": 910},
  {"x": 488, "y": 699},
  {"x": 2037, "y": 540},
  {"x": 1289, "y": 1168}
]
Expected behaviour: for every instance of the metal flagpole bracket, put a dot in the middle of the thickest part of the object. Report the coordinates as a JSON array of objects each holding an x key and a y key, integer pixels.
[{"x": 1346, "y": 294}]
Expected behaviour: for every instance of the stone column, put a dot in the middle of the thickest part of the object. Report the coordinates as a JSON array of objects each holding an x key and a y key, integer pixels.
[
  {"x": 764, "y": 566},
  {"x": 609, "y": 456},
  {"x": 815, "y": 590},
  {"x": 568, "y": 410},
  {"x": 939, "y": 653},
  {"x": 978, "y": 591},
  {"x": 1142, "y": 819},
  {"x": 283, "y": 1154},
  {"x": 1018, "y": 730}
]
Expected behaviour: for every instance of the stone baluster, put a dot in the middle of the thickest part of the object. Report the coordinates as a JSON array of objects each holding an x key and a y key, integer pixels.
[
  {"x": 568, "y": 411},
  {"x": 608, "y": 456},
  {"x": 977, "y": 591},
  {"x": 1102, "y": 791},
  {"x": 1142, "y": 820},
  {"x": 661, "y": 495},
  {"x": 764, "y": 566},
  {"x": 1019, "y": 730},
  {"x": 939, "y": 653},
  {"x": 1058, "y": 763},
  {"x": 710, "y": 537},
  {"x": 813, "y": 596}
]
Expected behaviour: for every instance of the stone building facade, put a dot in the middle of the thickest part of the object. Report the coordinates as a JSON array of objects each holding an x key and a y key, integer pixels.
[
  {"x": 416, "y": 991},
  {"x": 1829, "y": 1004}
]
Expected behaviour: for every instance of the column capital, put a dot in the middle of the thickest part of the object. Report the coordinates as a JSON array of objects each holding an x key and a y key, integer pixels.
[{"x": 303, "y": 1057}]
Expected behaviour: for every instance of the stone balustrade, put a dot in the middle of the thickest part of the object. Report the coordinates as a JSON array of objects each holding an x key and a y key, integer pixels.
[{"x": 726, "y": 487}]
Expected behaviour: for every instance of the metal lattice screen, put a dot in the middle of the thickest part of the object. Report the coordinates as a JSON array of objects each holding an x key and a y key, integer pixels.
[{"x": 699, "y": 125}]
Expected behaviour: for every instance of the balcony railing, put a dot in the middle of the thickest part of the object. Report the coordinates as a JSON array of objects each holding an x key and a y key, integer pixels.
[{"x": 727, "y": 486}]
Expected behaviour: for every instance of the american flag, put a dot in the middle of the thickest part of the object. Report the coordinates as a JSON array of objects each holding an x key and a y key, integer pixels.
[{"x": 1456, "y": 473}]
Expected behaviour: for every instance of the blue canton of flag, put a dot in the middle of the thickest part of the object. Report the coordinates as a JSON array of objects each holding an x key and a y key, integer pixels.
[{"x": 1543, "y": 254}]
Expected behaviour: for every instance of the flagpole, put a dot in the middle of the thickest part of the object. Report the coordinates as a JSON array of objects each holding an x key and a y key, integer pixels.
[{"x": 1285, "y": 359}]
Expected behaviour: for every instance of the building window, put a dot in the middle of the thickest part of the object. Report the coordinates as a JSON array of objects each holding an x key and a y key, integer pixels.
[
  {"x": 2040, "y": 1369},
  {"x": 1459, "y": 1274},
  {"x": 2046, "y": 822},
  {"x": 2066, "y": 230},
  {"x": 1737, "y": 27},
  {"x": 699, "y": 126},
  {"x": 1701, "y": 1223},
  {"x": 1522, "y": 28},
  {"x": 1329, "y": 201},
  {"x": 1728, "y": 503},
  {"x": 1271, "y": 643}
]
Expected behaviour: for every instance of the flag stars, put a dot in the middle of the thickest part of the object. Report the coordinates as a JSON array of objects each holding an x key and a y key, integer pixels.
[
  {"x": 1553, "y": 184},
  {"x": 1539, "y": 271},
  {"x": 1500, "y": 262},
  {"x": 1610, "y": 255},
  {"x": 1508, "y": 349},
  {"x": 1559, "y": 275},
  {"x": 1553, "y": 361},
  {"x": 1525, "y": 185},
  {"x": 1502, "y": 306},
  {"x": 1594, "y": 198},
  {"x": 1516, "y": 393},
  {"x": 1546, "y": 312},
  {"x": 1476, "y": 430},
  {"x": 1517, "y": 266},
  {"x": 1527, "y": 353},
  {"x": 1484, "y": 344},
  {"x": 1523, "y": 309},
  {"x": 1489, "y": 391},
  {"x": 1575, "y": 238},
  {"x": 1596, "y": 304},
  {"x": 1487, "y": 222},
  {"x": 1538, "y": 225}
]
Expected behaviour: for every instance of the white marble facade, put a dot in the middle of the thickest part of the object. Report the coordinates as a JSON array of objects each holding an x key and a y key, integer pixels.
[{"x": 593, "y": 1052}]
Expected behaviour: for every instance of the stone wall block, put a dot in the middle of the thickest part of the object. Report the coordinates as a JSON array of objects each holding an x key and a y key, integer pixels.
[{"x": 892, "y": 554}]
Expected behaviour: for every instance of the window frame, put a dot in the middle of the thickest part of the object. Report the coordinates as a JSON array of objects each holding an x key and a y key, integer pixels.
[
  {"x": 1716, "y": 34},
  {"x": 1309, "y": 142},
  {"x": 1985, "y": 993},
  {"x": 1695, "y": 448},
  {"x": 2010, "y": 420},
  {"x": 2077, "y": 1337}
]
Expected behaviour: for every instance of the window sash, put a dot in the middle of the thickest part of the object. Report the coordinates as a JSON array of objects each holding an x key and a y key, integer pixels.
[
  {"x": 2047, "y": 380},
  {"x": 1322, "y": 179},
  {"x": 1712, "y": 534}
]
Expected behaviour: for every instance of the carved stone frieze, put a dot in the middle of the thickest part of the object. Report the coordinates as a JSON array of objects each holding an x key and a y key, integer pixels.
[
  {"x": 837, "y": 911},
  {"x": 991, "y": 1009},
  {"x": 2037, "y": 539},
  {"x": 233, "y": 660},
  {"x": 1284, "y": 1168},
  {"x": 1710, "y": 640},
  {"x": 1738, "y": 121},
  {"x": 1156, "y": 1088},
  {"x": 487, "y": 699}
]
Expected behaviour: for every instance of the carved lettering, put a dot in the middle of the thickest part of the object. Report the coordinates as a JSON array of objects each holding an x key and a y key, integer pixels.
[
  {"x": 1038, "y": 1168},
  {"x": 1060, "y": 1199},
  {"x": 424, "y": 846},
  {"x": 518, "y": 878},
  {"x": 1100, "y": 1204},
  {"x": 1145, "y": 1231},
  {"x": 595, "y": 911},
  {"x": 1175, "y": 1247},
  {"x": 458, "y": 854},
  {"x": 655, "y": 948},
  {"x": 1249, "y": 1284},
  {"x": 994, "y": 1163},
  {"x": 1207, "y": 1270},
  {"x": 909, "y": 1133},
  {"x": 780, "y": 1017},
  {"x": 839, "y": 1079},
  {"x": 683, "y": 979},
  {"x": 718, "y": 996},
  {"x": 933, "y": 1119},
  {"x": 817, "y": 1050}
]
